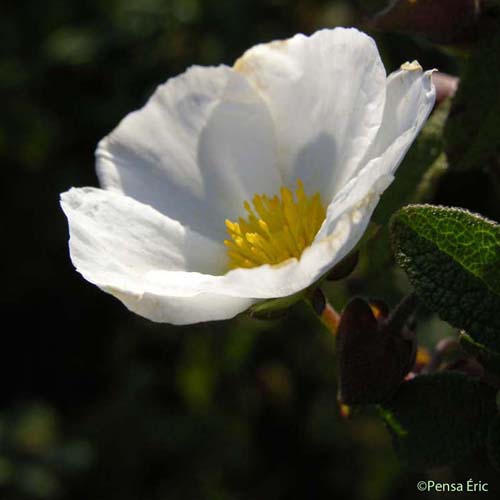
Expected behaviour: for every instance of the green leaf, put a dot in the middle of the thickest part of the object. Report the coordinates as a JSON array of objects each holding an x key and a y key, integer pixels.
[
  {"x": 439, "y": 419},
  {"x": 424, "y": 156},
  {"x": 472, "y": 133},
  {"x": 452, "y": 258},
  {"x": 493, "y": 443}
]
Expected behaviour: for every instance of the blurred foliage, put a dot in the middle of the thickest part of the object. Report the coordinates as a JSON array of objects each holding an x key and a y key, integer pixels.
[
  {"x": 494, "y": 442},
  {"x": 451, "y": 424},
  {"x": 471, "y": 135},
  {"x": 102, "y": 404},
  {"x": 34, "y": 456}
]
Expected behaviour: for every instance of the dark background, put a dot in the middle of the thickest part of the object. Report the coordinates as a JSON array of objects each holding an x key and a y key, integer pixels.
[{"x": 97, "y": 403}]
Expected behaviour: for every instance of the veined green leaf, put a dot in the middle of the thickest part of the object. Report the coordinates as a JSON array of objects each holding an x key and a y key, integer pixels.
[{"x": 452, "y": 258}]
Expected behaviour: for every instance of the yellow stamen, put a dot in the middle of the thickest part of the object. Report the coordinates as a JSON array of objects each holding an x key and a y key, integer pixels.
[{"x": 275, "y": 229}]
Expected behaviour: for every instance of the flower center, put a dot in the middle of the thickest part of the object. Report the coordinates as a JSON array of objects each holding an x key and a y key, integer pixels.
[{"x": 275, "y": 229}]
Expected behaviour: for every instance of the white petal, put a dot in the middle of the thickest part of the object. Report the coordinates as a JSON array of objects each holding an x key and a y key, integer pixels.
[
  {"x": 183, "y": 310},
  {"x": 202, "y": 145},
  {"x": 120, "y": 245},
  {"x": 361, "y": 194},
  {"x": 410, "y": 99},
  {"x": 326, "y": 94},
  {"x": 116, "y": 241}
]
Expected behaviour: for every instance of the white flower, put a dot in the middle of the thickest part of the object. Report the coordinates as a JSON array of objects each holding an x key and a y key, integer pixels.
[{"x": 308, "y": 130}]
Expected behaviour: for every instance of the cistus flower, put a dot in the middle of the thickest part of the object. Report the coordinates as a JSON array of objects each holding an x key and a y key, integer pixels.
[{"x": 233, "y": 185}]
